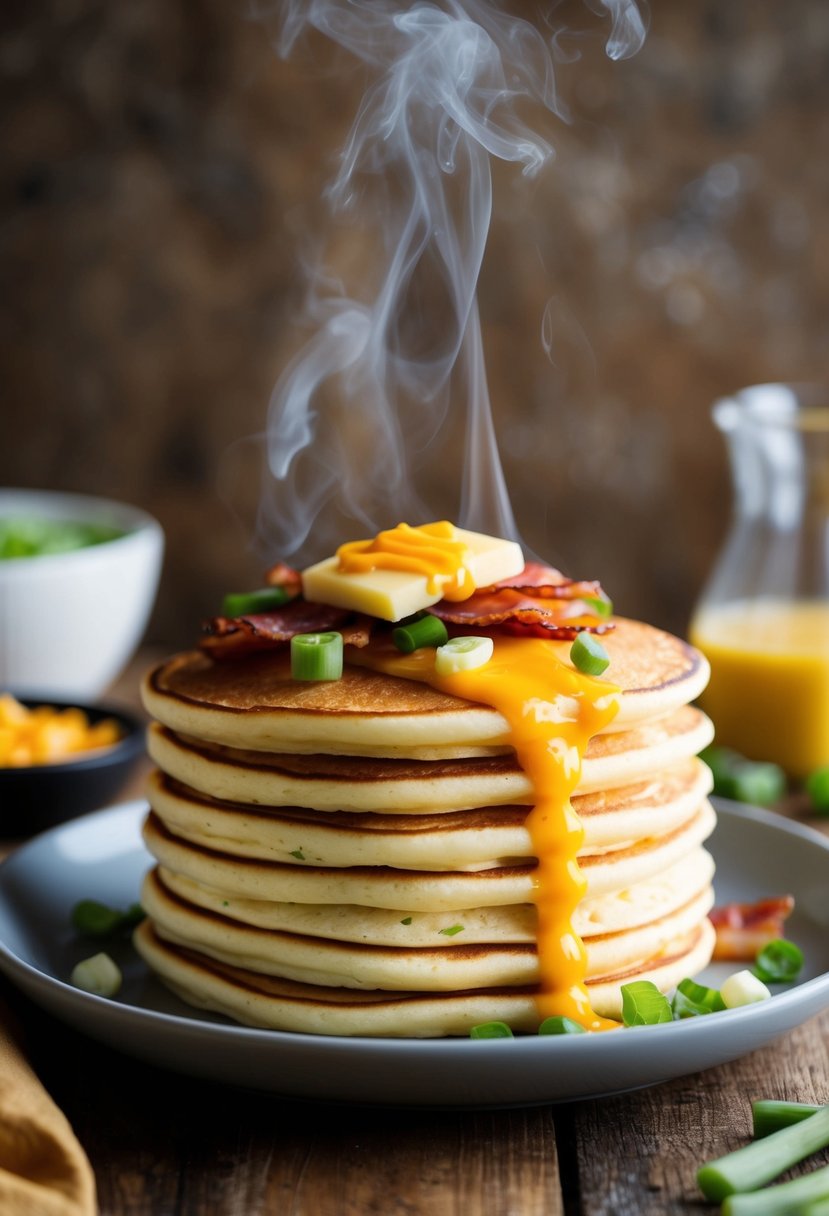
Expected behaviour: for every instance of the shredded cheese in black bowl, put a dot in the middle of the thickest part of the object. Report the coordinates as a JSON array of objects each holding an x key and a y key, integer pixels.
[{"x": 59, "y": 760}]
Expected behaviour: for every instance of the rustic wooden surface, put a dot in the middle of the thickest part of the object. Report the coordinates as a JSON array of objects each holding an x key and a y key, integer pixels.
[{"x": 168, "y": 1145}]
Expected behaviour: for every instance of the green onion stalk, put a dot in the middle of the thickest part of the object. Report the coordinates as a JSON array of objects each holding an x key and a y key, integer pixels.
[{"x": 756, "y": 1164}]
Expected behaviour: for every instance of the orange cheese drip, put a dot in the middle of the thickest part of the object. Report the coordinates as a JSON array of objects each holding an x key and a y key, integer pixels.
[
  {"x": 429, "y": 549},
  {"x": 552, "y": 710}
]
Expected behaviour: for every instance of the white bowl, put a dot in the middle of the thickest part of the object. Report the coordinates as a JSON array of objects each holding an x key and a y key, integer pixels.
[{"x": 69, "y": 622}]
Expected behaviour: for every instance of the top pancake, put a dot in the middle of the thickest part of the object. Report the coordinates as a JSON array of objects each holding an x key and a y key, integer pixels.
[{"x": 254, "y": 703}]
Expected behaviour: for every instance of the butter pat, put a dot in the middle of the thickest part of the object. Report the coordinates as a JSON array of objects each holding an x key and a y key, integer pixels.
[{"x": 394, "y": 594}]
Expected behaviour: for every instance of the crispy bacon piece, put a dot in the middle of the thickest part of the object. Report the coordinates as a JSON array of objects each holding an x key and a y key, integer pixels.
[
  {"x": 358, "y": 632},
  {"x": 282, "y": 575},
  {"x": 229, "y": 637},
  {"x": 538, "y": 602},
  {"x": 744, "y": 929},
  {"x": 547, "y": 582}
]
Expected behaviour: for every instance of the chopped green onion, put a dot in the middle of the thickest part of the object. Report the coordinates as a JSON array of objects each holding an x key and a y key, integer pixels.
[
  {"x": 693, "y": 1000},
  {"x": 644, "y": 1005},
  {"x": 463, "y": 654},
  {"x": 801, "y": 1196},
  {"x": 34, "y": 537},
  {"x": 779, "y": 962},
  {"x": 491, "y": 1030},
  {"x": 427, "y": 630},
  {"x": 796, "y": 1198},
  {"x": 317, "y": 656},
  {"x": 588, "y": 655},
  {"x": 723, "y": 762},
  {"x": 751, "y": 1167},
  {"x": 95, "y": 919},
  {"x": 98, "y": 974},
  {"x": 769, "y": 1115},
  {"x": 559, "y": 1025},
  {"x": 817, "y": 787},
  {"x": 407, "y": 920},
  {"x": 743, "y": 988},
  {"x": 761, "y": 784},
  {"x": 819, "y": 1208},
  {"x": 598, "y": 606},
  {"x": 744, "y": 780},
  {"x": 298, "y": 853},
  {"x": 245, "y": 603},
  {"x": 452, "y": 930}
]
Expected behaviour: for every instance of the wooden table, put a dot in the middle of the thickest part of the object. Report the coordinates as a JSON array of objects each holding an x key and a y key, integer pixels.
[
  {"x": 163, "y": 1144},
  {"x": 166, "y": 1144}
]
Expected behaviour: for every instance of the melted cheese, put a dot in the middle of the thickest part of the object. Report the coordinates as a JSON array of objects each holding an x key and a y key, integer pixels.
[
  {"x": 453, "y": 561},
  {"x": 553, "y": 711}
]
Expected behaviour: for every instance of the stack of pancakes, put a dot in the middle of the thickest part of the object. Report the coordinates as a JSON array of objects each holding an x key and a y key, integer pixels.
[{"x": 351, "y": 857}]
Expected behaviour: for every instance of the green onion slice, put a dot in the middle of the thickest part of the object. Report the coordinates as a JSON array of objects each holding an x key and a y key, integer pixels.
[
  {"x": 463, "y": 654},
  {"x": 743, "y": 988},
  {"x": 756, "y": 1164},
  {"x": 598, "y": 606},
  {"x": 779, "y": 962},
  {"x": 245, "y": 603},
  {"x": 588, "y": 655},
  {"x": 491, "y": 1030},
  {"x": 95, "y": 919},
  {"x": 427, "y": 630},
  {"x": 99, "y": 975},
  {"x": 744, "y": 780},
  {"x": 723, "y": 762},
  {"x": 817, "y": 787},
  {"x": 761, "y": 784},
  {"x": 692, "y": 1000},
  {"x": 317, "y": 656},
  {"x": 559, "y": 1025},
  {"x": 807, "y": 1196},
  {"x": 644, "y": 1005},
  {"x": 769, "y": 1115},
  {"x": 820, "y": 1207}
]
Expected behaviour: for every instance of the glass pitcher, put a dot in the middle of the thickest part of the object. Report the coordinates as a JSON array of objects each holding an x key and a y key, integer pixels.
[{"x": 763, "y": 619}]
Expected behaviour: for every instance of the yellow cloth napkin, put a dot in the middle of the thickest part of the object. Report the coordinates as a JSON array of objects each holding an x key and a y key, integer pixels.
[{"x": 43, "y": 1169}]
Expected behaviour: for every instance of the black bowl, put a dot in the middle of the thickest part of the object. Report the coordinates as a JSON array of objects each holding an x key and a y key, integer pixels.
[{"x": 42, "y": 795}]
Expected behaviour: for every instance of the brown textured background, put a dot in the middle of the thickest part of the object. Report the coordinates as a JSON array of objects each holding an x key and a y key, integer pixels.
[{"x": 162, "y": 171}]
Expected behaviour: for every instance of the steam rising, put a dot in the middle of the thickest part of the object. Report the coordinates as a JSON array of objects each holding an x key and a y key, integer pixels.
[{"x": 394, "y": 364}]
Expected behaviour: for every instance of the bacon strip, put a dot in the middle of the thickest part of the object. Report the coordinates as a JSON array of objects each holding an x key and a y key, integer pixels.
[
  {"x": 229, "y": 637},
  {"x": 547, "y": 581},
  {"x": 744, "y": 929},
  {"x": 538, "y": 602}
]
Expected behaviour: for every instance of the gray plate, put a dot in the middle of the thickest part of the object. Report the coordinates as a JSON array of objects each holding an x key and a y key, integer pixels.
[{"x": 101, "y": 857}]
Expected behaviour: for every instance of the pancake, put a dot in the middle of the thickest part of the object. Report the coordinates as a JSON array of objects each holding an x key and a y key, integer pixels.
[
  {"x": 253, "y": 704},
  {"x": 325, "y": 782},
  {"x": 609, "y": 913},
  {"x": 468, "y": 839},
  {"x": 454, "y": 964},
  {"x": 596, "y": 916},
  {"x": 415, "y": 890},
  {"x": 256, "y": 999},
  {"x": 483, "y": 836}
]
